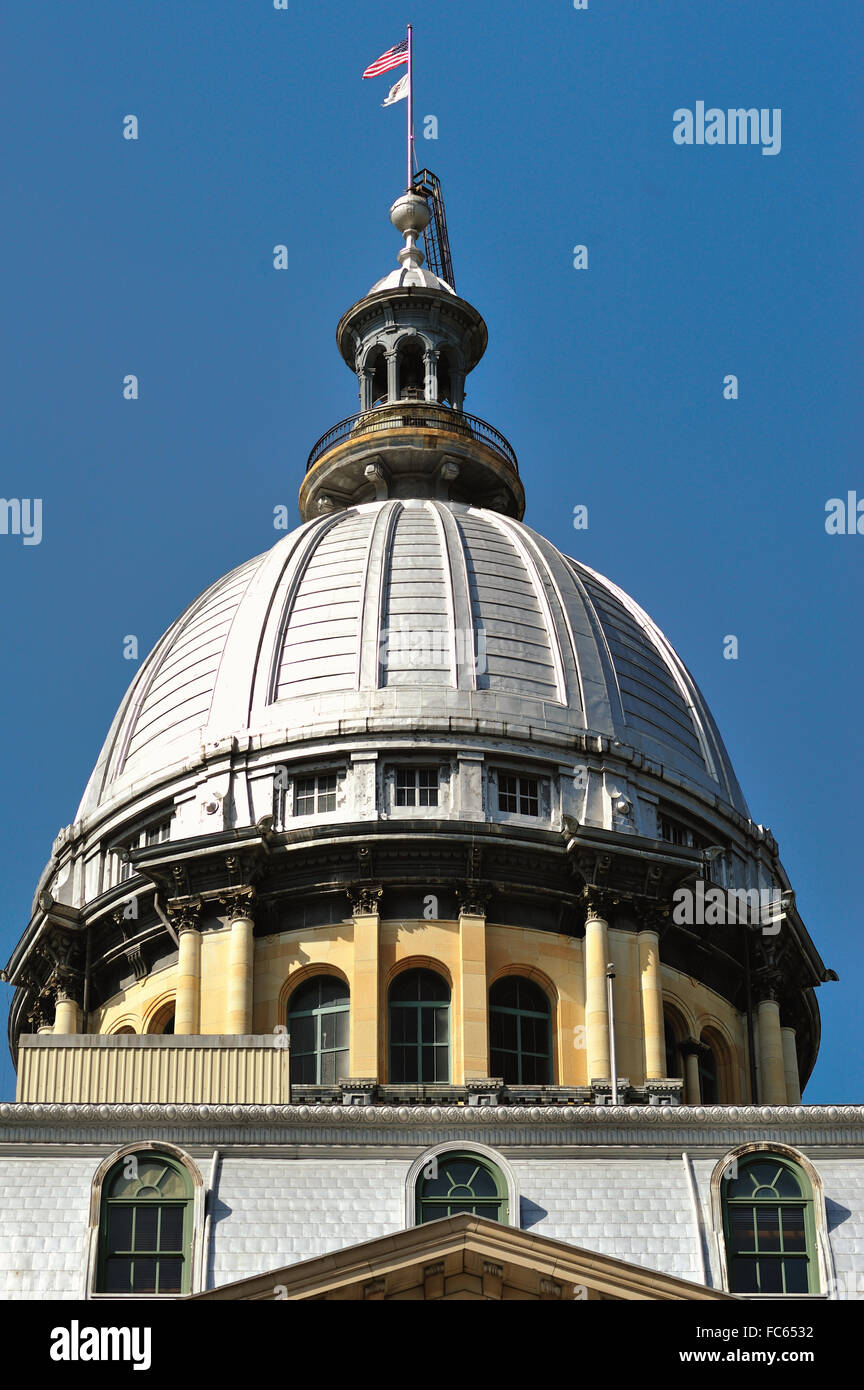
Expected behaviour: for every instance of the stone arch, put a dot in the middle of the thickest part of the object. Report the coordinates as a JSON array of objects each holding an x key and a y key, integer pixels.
[
  {"x": 418, "y": 963},
  {"x": 158, "y": 1012},
  {"x": 295, "y": 978}
]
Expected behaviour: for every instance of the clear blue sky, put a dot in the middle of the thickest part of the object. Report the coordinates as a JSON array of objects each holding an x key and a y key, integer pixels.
[{"x": 555, "y": 128}]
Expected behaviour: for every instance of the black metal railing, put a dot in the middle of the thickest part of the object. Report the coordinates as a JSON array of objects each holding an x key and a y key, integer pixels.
[{"x": 416, "y": 415}]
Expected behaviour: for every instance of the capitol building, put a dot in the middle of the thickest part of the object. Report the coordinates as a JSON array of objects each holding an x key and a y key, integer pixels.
[{"x": 358, "y": 972}]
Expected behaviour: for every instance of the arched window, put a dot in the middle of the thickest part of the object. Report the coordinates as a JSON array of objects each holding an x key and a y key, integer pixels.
[
  {"x": 419, "y": 1027},
  {"x": 455, "y": 1182},
  {"x": 318, "y": 1022},
  {"x": 445, "y": 387},
  {"x": 145, "y": 1233},
  {"x": 163, "y": 1020},
  {"x": 673, "y": 1059},
  {"x": 519, "y": 1032},
  {"x": 769, "y": 1226},
  {"x": 709, "y": 1084}
]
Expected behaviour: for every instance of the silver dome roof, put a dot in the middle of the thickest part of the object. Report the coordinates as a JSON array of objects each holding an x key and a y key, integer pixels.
[{"x": 321, "y": 631}]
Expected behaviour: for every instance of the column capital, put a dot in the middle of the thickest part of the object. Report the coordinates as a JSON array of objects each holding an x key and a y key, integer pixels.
[
  {"x": 238, "y": 902},
  {"x": 365, "y": 899},
  {"x": 184, "y": 914},
  {"x": 596, "y": 907},
  {"x": 473, "y": 898}
]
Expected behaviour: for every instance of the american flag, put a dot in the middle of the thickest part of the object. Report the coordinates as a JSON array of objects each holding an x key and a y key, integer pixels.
[{"x": 393, "y": 58}]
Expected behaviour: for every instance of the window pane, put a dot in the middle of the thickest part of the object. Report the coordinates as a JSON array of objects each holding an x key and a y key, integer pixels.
[
  {"x": 120, "y": 1228},
  {"x": 403, "y": 1064},
  {"x": 303, "y": 1069},
  {"x": 744, "y": 1276},
  {"x": 794, "y": 1237},
  {"x": 770, "y": 1276},
  {"x": 342, "y": 1028},
  {"x": 146, "y": 1227},
  {"x": 302, "y": 1032},
  {"x": 328, "y": 1067},
  {"x": 768, "y": 1229},
  {"x": 505, "y": 993},
  {"x": 342, "y": 1064},
  {"x": 796, "y": 1276},
  {"x": 442, "y": 1064},
  {"x": 741, "y": 1227},
  {"x": 442, "y": 1025},
  {"x": 144, "y": 1276},
  {"x": 118, "y": 1276},
  {"x": 171, "y": 1229},
  {"x": 170, "y": 1276},
  {"x": 332, "y": 991}
]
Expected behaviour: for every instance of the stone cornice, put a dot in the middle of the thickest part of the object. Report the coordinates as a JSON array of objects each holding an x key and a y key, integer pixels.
[{"x": 831, "y": 1124}]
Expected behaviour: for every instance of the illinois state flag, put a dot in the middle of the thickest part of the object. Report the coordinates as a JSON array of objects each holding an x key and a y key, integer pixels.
[{"x": 397, "y": 93}]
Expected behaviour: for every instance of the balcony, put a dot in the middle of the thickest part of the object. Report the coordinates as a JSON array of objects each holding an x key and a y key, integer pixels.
[
  {"x": 412, "y": 414},
  {"x": 412, "y": 448}
]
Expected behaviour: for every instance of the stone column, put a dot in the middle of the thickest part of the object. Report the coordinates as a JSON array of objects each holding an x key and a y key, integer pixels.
[
  {"x": 652, "y": 1005},
  {"x": 366, "y": 987},
  {"x": 392, "y": 377},
  {"x": 596, "y": 1005},
  {"x": 772, "y": 1077},
  {"x": 366, "y": 389},
  {"x": 474, "y": 992},
  {"x": 790, "y": 1066},
  {"x": 241, "y": 968},
  {"x": 692, "y": 1088},
  {"x": 430, "y": 360},
  {"x": 66, "y": 1013},
  {"x": 187, "y": 1004}
]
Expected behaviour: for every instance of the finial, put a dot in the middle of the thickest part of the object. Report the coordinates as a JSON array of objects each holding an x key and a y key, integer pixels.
[{"x": 410, "y": 215}]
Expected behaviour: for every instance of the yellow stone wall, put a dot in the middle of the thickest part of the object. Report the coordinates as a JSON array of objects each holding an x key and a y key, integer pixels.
[{"x": 471, "y": 954}]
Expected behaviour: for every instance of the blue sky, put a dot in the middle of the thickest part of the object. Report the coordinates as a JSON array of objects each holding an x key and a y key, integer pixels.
[{"x": 554, "y": 129}]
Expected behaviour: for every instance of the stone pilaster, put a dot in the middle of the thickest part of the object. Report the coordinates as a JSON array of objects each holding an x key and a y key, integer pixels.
[{"x": 366, "y": 986}]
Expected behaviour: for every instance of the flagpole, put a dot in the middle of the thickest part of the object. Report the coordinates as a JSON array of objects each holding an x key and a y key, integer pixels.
[{"x": 410, "y": 108}]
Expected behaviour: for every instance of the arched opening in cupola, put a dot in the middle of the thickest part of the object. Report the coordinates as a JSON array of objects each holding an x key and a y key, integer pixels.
[
  {"x": 376, "y": 371},
  {"x": 445, "y": 380},
  {"x": 412, "y": 370}
]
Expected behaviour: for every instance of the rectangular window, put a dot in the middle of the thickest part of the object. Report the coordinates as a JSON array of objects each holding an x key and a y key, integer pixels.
[
  {"x": 416, "y": 786},
  {"x": 315, "y": 795},
  {"x": 677, "y": 833},
  {"x": 158, "y": 834},
  {"x": 518, "y": 795}
]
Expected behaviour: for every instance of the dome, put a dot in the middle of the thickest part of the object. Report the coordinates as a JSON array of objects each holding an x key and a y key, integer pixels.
[{"x": 402, "y": 614}]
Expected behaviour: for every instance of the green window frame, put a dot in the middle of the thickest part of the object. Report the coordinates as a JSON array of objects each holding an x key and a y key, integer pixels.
[
  {"x": 769, "y": 1226},
  {"x": 319, "y": 1024},
  {"x": 145, "y": 1228},
  {"x": 520, "y": 1032},
  {"x": 461, "y": 1182},
  {"x": 419, "y": 1028}
]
